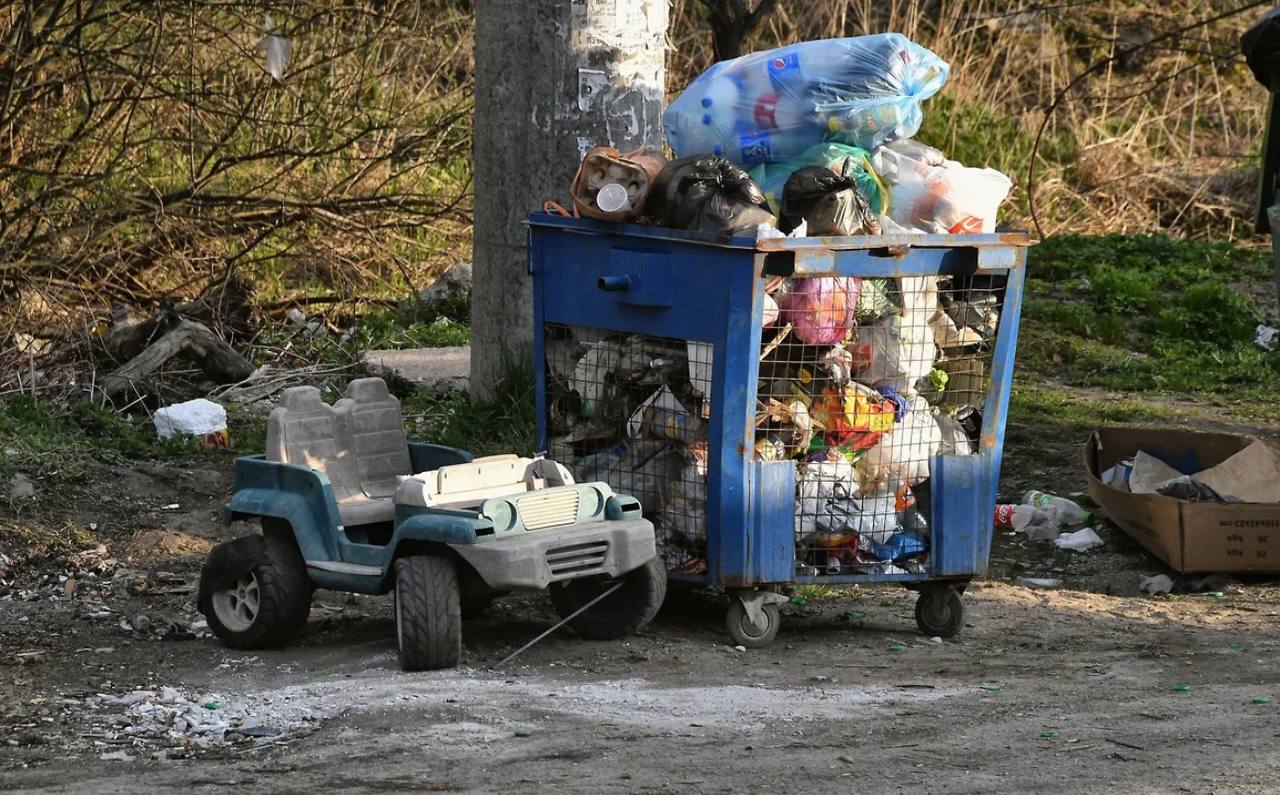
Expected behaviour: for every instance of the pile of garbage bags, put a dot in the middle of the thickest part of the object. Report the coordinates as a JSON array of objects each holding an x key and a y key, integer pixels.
[
  {"x": 755, "y": 136},
  {"x": 862, "y": 380}
]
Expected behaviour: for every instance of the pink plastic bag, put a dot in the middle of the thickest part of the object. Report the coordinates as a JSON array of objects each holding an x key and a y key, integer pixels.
[{"x": 822, "y": 310}]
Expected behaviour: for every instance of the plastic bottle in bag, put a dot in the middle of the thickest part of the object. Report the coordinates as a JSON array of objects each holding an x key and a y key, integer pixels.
[{"x": 768, "y": 106}]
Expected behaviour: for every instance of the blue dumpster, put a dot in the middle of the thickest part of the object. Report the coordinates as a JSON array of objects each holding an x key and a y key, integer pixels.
[{"x": 807, "y": 410}]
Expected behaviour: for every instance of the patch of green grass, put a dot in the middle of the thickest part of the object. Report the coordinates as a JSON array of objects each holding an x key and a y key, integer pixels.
[
  {"x": 1138, "y": 313},
  {"x": 409, "y": 325},
  {"x": 68, "y": 440},
  {"x": 506, "y": 424}
]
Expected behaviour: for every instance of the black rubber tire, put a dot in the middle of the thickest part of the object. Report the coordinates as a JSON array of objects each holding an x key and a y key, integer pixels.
[
  {"x": 474, "y": 607},
  {"x": 624, "y": 612},
  {"x": 284, "y": 589},
  {"x": 745, "y": 633},
  {"x": 428, "y": 613},
  {"x": 940, "y": 612}
]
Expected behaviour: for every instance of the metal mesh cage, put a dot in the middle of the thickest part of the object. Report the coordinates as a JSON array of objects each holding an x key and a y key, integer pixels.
[
  {"x": 632, "y": 411},
  {"x": 861, "y": 382}
]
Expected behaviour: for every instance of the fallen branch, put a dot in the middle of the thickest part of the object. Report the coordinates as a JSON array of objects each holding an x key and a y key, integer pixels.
[{"x": 219, "y": 360}]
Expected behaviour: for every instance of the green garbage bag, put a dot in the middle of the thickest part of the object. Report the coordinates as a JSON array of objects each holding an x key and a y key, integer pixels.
[{"x": 771, "y": 177}]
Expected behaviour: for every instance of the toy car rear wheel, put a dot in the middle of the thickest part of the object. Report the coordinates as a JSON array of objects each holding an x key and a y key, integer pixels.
[
  {"x": 428, "y": 613},
  {"x": 747, "y": 633},
  {"x": 940, "y": 611},
  {"x": 255, "y": 592},
  {"x": 623, "y": 612}
]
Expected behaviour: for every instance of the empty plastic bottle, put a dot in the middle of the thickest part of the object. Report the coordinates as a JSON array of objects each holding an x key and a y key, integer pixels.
[
  {"x": 1038, "y": 524},
  {"x": 1019, "y": 517},
  {"x": 1069, "y": 511}
]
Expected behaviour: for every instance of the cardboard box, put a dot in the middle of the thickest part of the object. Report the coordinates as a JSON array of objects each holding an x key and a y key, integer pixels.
[{"x": 1189, "y": 536}]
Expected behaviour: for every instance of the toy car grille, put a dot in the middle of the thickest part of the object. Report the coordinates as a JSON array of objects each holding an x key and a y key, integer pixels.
[
  {"x": 552, "y": 509},
  {"x": 576, "y": 558}
]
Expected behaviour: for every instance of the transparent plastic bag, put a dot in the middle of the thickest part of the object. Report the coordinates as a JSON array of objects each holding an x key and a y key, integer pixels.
[
  {"x": 906, "y": 453},
  {"x": 929, "y": 193},
  {"x": 768, "y": 106}
]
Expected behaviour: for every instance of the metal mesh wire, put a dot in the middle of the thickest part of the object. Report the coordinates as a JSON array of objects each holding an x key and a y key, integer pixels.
[
  {"x": 632, "y": 411},
  {"x": 861, "y": 383}
]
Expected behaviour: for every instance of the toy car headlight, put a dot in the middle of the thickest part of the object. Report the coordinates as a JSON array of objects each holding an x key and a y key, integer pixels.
[
  {"x": 502, "y": 514},
  {"x": 591, "y": 502}
]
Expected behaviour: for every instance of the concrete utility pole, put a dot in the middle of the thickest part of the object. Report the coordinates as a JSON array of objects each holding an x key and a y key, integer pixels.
[{"x": 553, "y": 77}]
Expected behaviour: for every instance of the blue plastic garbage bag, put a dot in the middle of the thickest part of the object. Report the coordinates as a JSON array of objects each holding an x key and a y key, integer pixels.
[
  {"x": 768, "y": 106},
  {"x": 899, "y": 547}
]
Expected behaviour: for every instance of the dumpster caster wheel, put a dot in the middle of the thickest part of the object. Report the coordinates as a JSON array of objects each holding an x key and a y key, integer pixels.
[
  {"x": 940, "y": 612},
  {"x": 749, "y": 633}
]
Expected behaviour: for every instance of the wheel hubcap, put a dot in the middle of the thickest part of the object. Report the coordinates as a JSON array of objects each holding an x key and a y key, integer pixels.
[{"x": 237, "y": 607}]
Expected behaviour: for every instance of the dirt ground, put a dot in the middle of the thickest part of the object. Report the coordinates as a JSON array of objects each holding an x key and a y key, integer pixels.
[{"x": 1086, "y": 687}]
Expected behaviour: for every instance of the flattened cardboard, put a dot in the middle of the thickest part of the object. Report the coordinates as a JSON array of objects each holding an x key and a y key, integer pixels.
[
  {"x": 1250, "y": 475},
  {"x": 1190, "y": 537}
]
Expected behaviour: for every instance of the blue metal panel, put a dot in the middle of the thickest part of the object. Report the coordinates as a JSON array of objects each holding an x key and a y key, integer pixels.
[
  {"x": 735, "y": 368},
  {"x": 995, "y": 411},
  {"x": 771, "y": 534},
  {"x": 638, "y": 278},
  {"x": 961, "y": 531}
]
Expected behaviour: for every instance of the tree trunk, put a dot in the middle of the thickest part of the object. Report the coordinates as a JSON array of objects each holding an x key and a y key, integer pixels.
[{"x": 553, "y": 77}]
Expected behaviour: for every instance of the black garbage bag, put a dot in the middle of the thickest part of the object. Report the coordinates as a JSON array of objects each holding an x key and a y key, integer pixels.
[
  {"x": 1261, "y": 47},
  {"x": 703, "y": 193},
  {"x": 828, "y": 202}
]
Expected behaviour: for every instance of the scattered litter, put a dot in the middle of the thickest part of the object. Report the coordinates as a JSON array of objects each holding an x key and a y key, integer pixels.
[
  {"x": 523, "y": 733},
  {"x": 1181, "y": 688},
  {"x": 739, "y": 648},
  {"x": 167, "y": 716},
  {"x": 1237, "y": 647},
  {"x": 1266, "y": 337},
  {"x": 1079, "y": 541},
  {"x": 21, "y": 487},
  {"x": 1260, "y": 700},
  {"x": 1159, "y": 584},
  {"x": 990, "y": 687},
  {"x": 1049, "y": 735},
  {"x": 897, "y": 647},
  {"x": 1037, "y": 582},
  {"x": 200, "y": 418},
  {"x": 116, "y": 756}
]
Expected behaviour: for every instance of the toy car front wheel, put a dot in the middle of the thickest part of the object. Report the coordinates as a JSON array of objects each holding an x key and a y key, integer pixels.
[
  {"x": 623, "y": 612},
  {"x": 428, "y": 613},
  {"x": 255, "y": 592}
]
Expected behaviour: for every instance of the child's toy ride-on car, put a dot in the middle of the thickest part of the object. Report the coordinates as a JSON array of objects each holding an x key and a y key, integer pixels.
[{"x": 347, "y": 503}]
